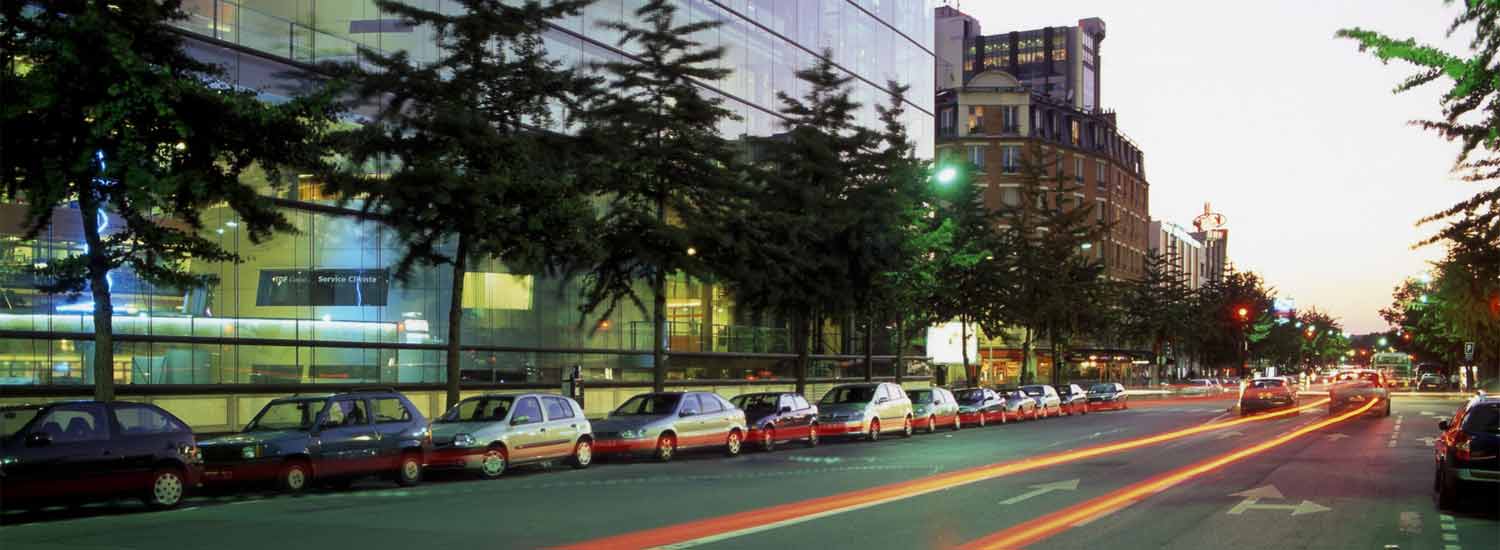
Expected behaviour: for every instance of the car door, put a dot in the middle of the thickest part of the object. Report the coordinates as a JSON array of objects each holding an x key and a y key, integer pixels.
[
  {"x": 76, "y": 458},
  {"x": 689, "y": 421},
  {"x": 562, "y": 427},
  {"x": 803, "y": 415},
  {"x": 143, "y": 435},
  {"x": 528, "y": 439},
  {"x": 716, "y": 419},
  {"x": 346, "y": 438},
  {"x": 393, "y": 424}
]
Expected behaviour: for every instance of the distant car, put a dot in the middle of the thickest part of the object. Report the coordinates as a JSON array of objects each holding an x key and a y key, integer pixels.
[
  {"x": 334, "y": 438},
  {"x": 775, "y": 417},
  {"x": 980, "y": 406},
  {"x": 661, "y": 424},
  {"x": 934, "y": 407},
  {"x": 1046, "y": 397},
  {"x": 1267, "y": 394},
  {"x": 1355, "y": 387},
  {"x": 867, "y": 410},
  {"x": 487, "y": 434},
  {"x": 1108, "y": 396},
  {"x": 1074, "y": 399},
  {"x": 1020, "y": 406},
  {"x": 1430, "y": 382},
  {"x": 1201, "y": 386},
  {"x": 1468, "y": 452},
  {"x": 84, "y": 450}
]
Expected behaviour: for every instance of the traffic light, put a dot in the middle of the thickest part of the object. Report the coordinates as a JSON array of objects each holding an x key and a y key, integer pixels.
[
  {"x": 1244, "y": 313},
  {"x": 1382, "y": 341}
]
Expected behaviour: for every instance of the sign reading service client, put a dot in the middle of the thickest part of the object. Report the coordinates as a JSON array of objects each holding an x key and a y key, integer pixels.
[{"x": 322, "y": 287}]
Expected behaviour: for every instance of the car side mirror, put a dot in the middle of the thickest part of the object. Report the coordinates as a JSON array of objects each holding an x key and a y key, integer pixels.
[
  {"x": 688, "y": 412},
  {"x": 38, "y": 439},
  {"x": 522, "y": 419},
  {"x": 786, "y": 409},
  {"x": 1443, "y": 425}
]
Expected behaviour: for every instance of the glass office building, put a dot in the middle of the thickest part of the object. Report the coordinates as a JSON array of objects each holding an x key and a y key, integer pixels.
[{"x": 323, "y": 306}]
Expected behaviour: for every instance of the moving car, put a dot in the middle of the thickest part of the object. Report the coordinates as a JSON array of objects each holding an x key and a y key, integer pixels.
[
  {"x": 1355, "y": 387},
  {"x": 980, "y": 406},
  {"x": 487, "y": 434},
  {"x": 334, "y": 438},
  {"x": 1020, "y": 406},
  {"x": 83, "y": 450},
  {"x": 661, "y": 424},
  {"x": 1468, "y": 451},
  {"x": 1201, "y": 386},
  {"x": 934, "y": 407},
  {"x": 1430, "y": 382},
  {"x": 1108, "y": 395},
  {"x": 778, "y": 416},
  {"x": 1267, "y": 393},
  {"x": 1046, "y": 398},
  {"x": 867, "y": 410},
  {"x": 1074, "y": 399}
]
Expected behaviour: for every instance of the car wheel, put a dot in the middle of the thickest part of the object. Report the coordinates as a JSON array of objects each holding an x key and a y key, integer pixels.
[
  {"x": 767, "y": 439},
  {"x": 493, "y": 463},
  {"x": 812, "y": 436},
  {"x": 583, "y": 454},
  {"x": 932, "y": 424},
  {"x": 958, "y": 423},
  {"x": 293, "y": 477},
  {"x": 410, "y": 472},
  {"x": 982, "y": 417},
  {"x": 1447, "y": 490},
  {"x": 166, "y": 490},
  {"x": 874, "y": 434},
  {"x": 732, "y": 443},
  {"x": 906, "y": 427},
  {"x": 1387, "y": 408},
  {"x": 666, "y": 447}
]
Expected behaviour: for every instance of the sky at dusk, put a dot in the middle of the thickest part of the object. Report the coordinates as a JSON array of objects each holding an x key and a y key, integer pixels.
[{"x": 1294, "y": 136}]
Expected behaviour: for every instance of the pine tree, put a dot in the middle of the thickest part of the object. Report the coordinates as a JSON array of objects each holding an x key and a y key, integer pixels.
[
  {"x": 1156, "y": 305},
  {"x": 475, "y": 172},
  {"x": 102, "y": 107},
  {"x": 657, "y": 156}
]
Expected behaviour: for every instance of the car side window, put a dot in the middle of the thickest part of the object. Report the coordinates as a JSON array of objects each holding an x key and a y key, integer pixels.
[
  {"x": 529, "y": 408},
  {"x": 801, "y": 402},
  {"x": 710, "y": 403},
  {"x": 557, "y": 408},
  {"x": 347, "y": 412},
  {"x": 390, "y": 409},
  {"x": 690, "y": 403},
  {"x": 74, "y": 424},
  {"x": 143, "y": 420}
]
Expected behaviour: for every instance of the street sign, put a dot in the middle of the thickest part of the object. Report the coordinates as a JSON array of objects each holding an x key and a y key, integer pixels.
[
  {"x": 1468, "y": 351},
  {"x": 1254, "y": 496}
]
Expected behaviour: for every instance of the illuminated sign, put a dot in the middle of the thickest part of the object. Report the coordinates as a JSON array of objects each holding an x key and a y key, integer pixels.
[{"x": 322, "y": 287}]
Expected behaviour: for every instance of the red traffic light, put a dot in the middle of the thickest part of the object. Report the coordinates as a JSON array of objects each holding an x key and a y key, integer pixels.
[{"x": 1244, "y": 313}]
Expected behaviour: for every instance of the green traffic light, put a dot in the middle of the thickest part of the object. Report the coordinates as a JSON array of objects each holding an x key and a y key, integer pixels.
[
  {"x": 1382, "y": 341},
  {"x": 947, "y": 174}
]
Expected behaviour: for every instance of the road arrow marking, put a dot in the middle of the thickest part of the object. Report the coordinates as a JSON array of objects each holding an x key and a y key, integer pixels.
[
  {"x": 1042, "y": 489},
  {"x": 1227, "y": 435},
  {"x": 1427, "y": 440},
  {"x": 1336, "y": 437},
  {"x": 1253, "y": 497}
]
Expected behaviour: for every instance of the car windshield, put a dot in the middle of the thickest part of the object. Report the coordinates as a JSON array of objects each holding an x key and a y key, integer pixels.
[
  {"x": 849, "y": 394},
  {"x": 1265, "y": 384},
  {"x": 1483, "y": 419},
  {"x": 1102, "y": 388},
  {"x": 479, "y": 409},
  {"x": 1034, "y": 391},
  {"x": 970, "y": 396},
  {"x": 287, "y": 415},
  {"x": 13, "y": 419},
  {"x": 649, "y": 404},
  {"x": 757, "y": 401},
  {"x": 920, "y": 396}
]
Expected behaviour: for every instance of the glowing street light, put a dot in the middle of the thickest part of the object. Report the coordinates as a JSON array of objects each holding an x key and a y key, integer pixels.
[{"x": 947, "y": 175}]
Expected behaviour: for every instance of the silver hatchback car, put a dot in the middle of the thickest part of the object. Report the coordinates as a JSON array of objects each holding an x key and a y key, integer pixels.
[
  {"x": 1046, "y": 398},
  {"x": 866, "y": 410},
  {"x": 488, "y": 434},
  {"x": 660, "y": 424}
]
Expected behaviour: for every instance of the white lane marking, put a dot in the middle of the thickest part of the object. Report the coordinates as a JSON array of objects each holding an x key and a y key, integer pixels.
[
  {"x": 1449, "y": 527},
  {"x": 1042, "y": 489},
  {"x": 1427, "y": 440},
  {"x": 1336, "y": 436},
  {"x": 1253, "y": 497},
  {"x": 1450, "y": 537},
  {"x": 1229, "y": 434}
]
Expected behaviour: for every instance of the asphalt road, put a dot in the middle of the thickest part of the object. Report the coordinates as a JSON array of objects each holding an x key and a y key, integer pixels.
[{"x": 1051, "y": 483}]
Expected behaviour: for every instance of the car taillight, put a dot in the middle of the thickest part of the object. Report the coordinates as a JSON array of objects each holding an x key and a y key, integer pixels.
[{"x": 1460, "y": 446}]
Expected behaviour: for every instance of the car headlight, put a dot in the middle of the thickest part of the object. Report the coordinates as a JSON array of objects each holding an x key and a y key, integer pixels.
[
  {"x": 633, "y": 434},
  {"x": 249, "y": 452},
  {"x": 464, "y": 440}
]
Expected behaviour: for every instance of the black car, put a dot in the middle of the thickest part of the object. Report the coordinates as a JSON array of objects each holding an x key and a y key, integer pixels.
[
  {"x": 778, "y": 416},
  {"x": 1468, "y": 451},
  {"x": 1430, "y": 382},
  {"x": 83, "y": 450},
  {"x": 1108, "y": 395},
  {"x": 333, "y": 438},
  {"x": 1074, "y": 399}
]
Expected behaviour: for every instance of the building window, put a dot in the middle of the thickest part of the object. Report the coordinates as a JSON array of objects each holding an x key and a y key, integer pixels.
[
  {"x": 1078, "y": 170},
  {"x": 976, "y": 156},
  {"x": 976, "y": 118},
  {"x": 947, "y": 120},
  {"x": 1076, "y": 134},
  {"x": 1010, "y": 159},
  {"x": 1010, "y": 119}
]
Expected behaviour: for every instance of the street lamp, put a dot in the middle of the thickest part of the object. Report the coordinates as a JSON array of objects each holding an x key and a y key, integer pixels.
[{"x": 947, "y": 175}]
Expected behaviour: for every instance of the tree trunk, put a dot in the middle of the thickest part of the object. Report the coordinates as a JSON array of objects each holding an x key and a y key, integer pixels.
[
  {"x": 963, "y": 348},
  {"x": 899, "y": 367},
  {"x": 869, "y": 347},
  {"x": 455, "y": 319},
  {"x": 1026, "y": 373},
  {"x": 1156, "y": 361},
  {"x": 98, "y": 271},
  {"x": 1056, "y": 377},
  {"x": 799, "y": 335},
  {"x": 659, "y": 334}
]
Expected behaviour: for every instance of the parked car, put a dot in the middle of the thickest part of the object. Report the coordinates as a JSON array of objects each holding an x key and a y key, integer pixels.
[
  {"x": 1108, "y": 395},
  {"x": 1468, "y": 452},
  {"x": 775, "y": 417},
  {"x": 1202, "y": 386},
  {"x": 867, "y": 410},
  {"x": 980, "y": 406},
  {"x": 1355, "y": 387},
  {"x": 84, "y": 450},
  {"x": 661, "y": 424},
  {"x": 1046, "y": 397},
  {"x": 487, "y": 434},
  {"x": 1074, "y": 399},
  {"x": 1268, "y": 393},
  {"x": 333, "y": 438},
  {"x": 1430, "y": 382},
  {"x": 934, "y": 407},
  {"x": 1018, "y": 405}
]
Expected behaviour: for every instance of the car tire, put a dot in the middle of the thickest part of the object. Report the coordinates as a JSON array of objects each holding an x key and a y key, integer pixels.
[
  {"x": 812, "y": 435},
  {"x": 1387, "y": 407},
  {"x": 874, "y": 434},
  {"x": 409, "y": 470},
  {"x": 294, "y": 477},
  {"x": 583, "y": 454},
  {"x": 666, "y": 448},
  {"x": 958, "y": 423},
  {"x": 907, "y": 429},
  {"x": 733, "y": 443},
  {"x": 494, "y": 463},
  {"x": 767, "y": 439},
  {"x": 932, "y": 424},
  {"x": 982, "y": 417},
  {"x": 1446, "y": 489},
  {"x": 167, "y": 489}
]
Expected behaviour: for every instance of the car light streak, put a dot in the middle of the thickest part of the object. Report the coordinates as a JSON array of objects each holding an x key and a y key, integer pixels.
[
  {"x": 1062, "y": 520},
  {"x": 705, "y": 531}
]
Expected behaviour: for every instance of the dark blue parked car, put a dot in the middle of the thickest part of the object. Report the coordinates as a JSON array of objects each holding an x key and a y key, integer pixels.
[
  {"x": 330, "y": 438},
  {"x": 1468, "y": 451}
]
